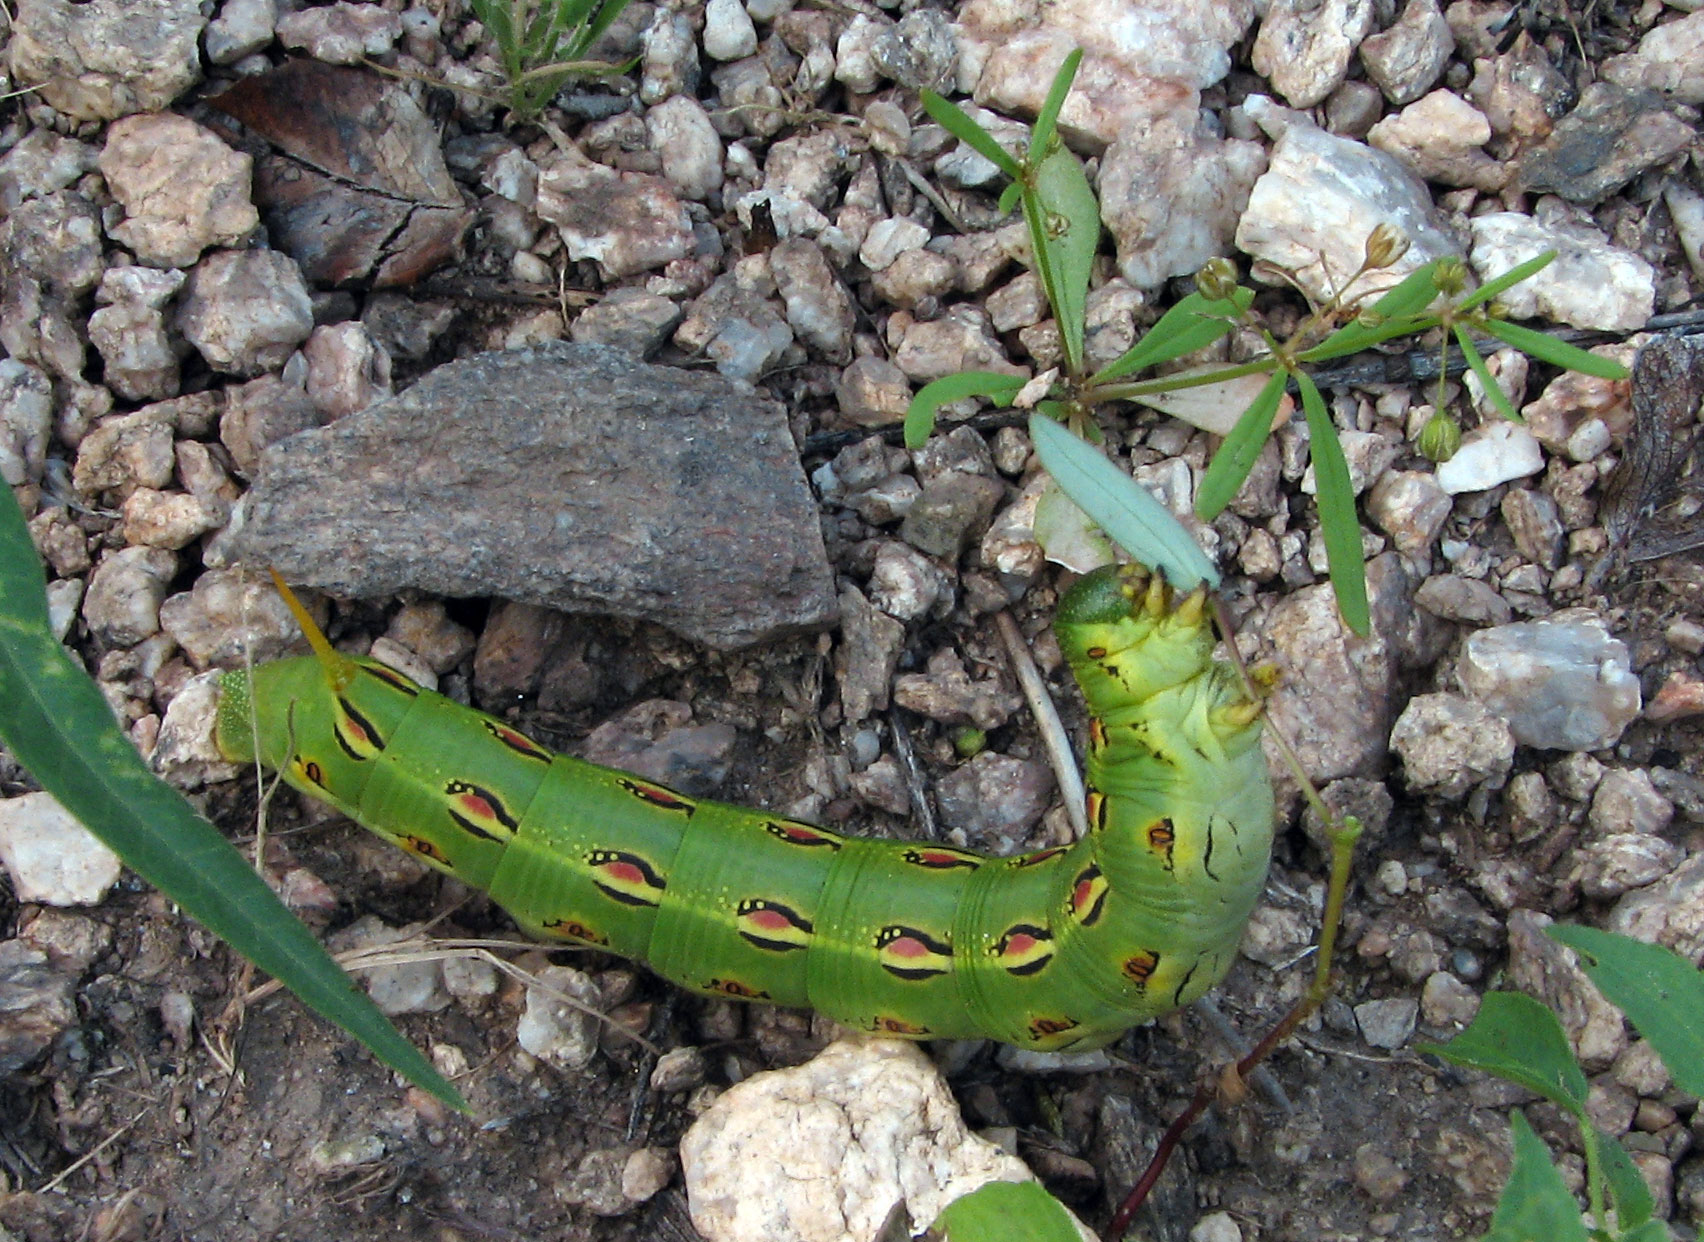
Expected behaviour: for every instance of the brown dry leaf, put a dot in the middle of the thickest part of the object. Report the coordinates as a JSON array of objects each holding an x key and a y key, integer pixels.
[
  {"x": 1653, "y": 505},
  {"x": 355, "y": 188}
]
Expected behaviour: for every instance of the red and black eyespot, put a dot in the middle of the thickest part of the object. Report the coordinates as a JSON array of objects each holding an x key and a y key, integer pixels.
[
  {"x": 625, "y": 877},
  {"x": 807, "y": 835},
  {"x": 1140, "y": 967},
  {"x": 391, "y": 678},
  {"x": 937, "y": 859},
  {"x": 574, "y": 929},
  {"x": 1088, "y": 896},
  {"x": 516, "y": 741},
  {"x": 1023, "y": 949},
  {"x": 735, "y": 989},
  {"x": 772, "y": 925},
  {"x": 309, "y": 771},
  {"x": 480, "y": 811},
  {"x": 912, "y": 954},
  {"x": 657, "y": 796},
  {"x": 355, "y": 733}
]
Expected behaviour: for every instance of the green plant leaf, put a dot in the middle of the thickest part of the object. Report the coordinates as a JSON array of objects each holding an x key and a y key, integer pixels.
[
  {"x": 959, "y": 124},
  {"x": 1508, "y": 279},
  {"x": 998, "y": 386},
  {"x": 1632, "y": 1198},
  {"x": 1535, "y": 1205},
  {"x": 1041, "y": 136},
  {"x": 57, "y": 724},
  {"x": 1492, "y": 389},
  {"x": 1661, "y": 993},
  {"x": 1064, "y": 225},
  {"x": 1402, "y": 302},
  {"x": 1194, "y": 323},
  {"x": 1517, "y": 1038},
  {"x": 1236, "y": 456},
  {"x": 1137, "y": 522},
  {"x": 1546, "y": 348},
  {"x": 1002, "y": 1211},
  {"x": 1009, "y": 197},
  {"x": 1337, "y": 521}
]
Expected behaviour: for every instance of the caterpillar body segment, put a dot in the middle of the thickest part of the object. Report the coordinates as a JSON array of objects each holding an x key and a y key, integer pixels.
[{"x": 1063, "y": 948}]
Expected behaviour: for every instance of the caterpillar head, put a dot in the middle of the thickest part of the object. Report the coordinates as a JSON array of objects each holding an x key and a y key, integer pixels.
[{"x": 1127, "y": 634}]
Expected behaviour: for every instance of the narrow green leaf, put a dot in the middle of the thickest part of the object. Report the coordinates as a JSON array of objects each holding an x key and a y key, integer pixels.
[
  {"x": 1355, "y": 337},
  {"x": 1064, "y": 224},
  {"x": 1508, "y": 279},
  {"x": 1001, "y": 1211},
  {"x": 1660, "y": 992},
  {"x": 1491, "y": 387},
  {"x": 997, "y": 386},
  {"x": 1632, "y": 1198},
  {"x": 1194, "y": 323},
  {"x": 1535, "y": 1206},
  {"x": 1546, "y": 348},
  {"x": 959, "y": 124},
  {"x": 1236, "y": 456},
  {"x": 1518, "y": 1038},
  {"x": 1337, "y": 520},
  {"x": 1650, "y": 1231},
  {"x": 594, "y": 30},
  {"x": 1408, "y": 297},
  {"x": 56, "y": 723},
  {"x": 1041, "y": 136},
  {"x": 1137, "y": 522},
  {"x": 1009, "y": 196}
]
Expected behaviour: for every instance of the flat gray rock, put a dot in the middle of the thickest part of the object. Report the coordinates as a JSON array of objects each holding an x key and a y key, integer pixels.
[{"x": 572, "y": 476}]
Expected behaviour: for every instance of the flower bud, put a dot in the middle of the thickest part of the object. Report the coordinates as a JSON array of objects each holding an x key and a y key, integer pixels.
[
  {"x": 1217, "y": 279},
  {"x": 969, "y": 741},
  {"x": 1385, "y": 245},
  {"x": 1440, "y": 437},
  {"x": 1450, "y": 276}
]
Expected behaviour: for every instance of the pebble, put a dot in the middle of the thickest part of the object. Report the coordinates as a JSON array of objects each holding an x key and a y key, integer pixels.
[
  {"x": 1562, "y": 683},
  {"x": 1407, "y": 58},
  {"x": 1626, "y": 800},
  {"x": 1612, "y": 136},
  {"x": 246, "y": 311},
  {"x": 95, "y": 62},
  {"x": 50, "y": 856},
  {"x": 1448, "y": 744},
  {"x": 1387, "y": 1023},
  {"x": 1313, "y": 209},
  {"x": 1669, "y": 58},
  {"x": 1591, "y": 284},
  {"x": 1491, "y": 453},
  {"x": 182, "y": 189}
]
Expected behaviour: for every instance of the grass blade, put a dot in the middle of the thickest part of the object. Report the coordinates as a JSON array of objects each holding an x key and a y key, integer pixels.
[
  {"x": 1337, "y": 521},
  {"x": 57, "y": 724},
  {"x": 1041, "y": 137},
  {"x": 997, "y": 386},
  {"x": 1194, "y": 323},
  {"x": 1546, "y": 348},
  {"x": 1137, "y": 522},
  {"x": 1659, "y": 991},
  {"x": 1493, "y": 389},
  {"x": 958, "y": 123},
  {"x": 1508, "y": 279},
  {"x": 1236, "y": 456}
]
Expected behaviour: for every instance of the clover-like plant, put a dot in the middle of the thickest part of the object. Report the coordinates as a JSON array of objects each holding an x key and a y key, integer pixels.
[{"x": 1051, "y": 188}]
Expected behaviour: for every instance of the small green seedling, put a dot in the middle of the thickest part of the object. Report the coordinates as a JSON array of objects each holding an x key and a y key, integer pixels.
[
  {"x": 542, "y": 44},
  {"x": 1517, "y": 1038}
]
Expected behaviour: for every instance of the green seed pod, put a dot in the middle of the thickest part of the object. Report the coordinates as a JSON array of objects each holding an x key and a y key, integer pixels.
[{"x": 1440, "y": 437}]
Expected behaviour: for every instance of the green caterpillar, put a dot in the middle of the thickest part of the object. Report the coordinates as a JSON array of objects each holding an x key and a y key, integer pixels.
[{"x": 1062, "y": 948}]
